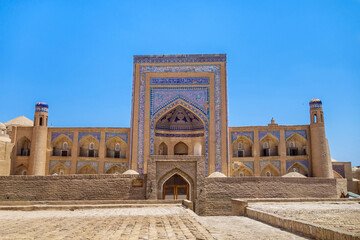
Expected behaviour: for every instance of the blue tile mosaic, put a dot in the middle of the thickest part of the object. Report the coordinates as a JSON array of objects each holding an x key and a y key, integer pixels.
[
  {"x": 289, "y": 133},
  {"x": 91, "y": 163},
  {"x": 339, "y": 169},
  {"x": 178, "y": 68},
  {"x": 53, "y": 163},
  {"x": 249, "y": 164},
  {"x": 179, "y": 135},
  {"x": 275, "y": 163},
  {"x": 235, "y": 135},
  {"x": 180, "y": 81},
  {"x": 302, "y": 162},
  {"x": 55, "y": 135},
  {"x": 197, "y": 96},
  {"x": 274, "y": 133},
  {"x": 84, "y": 134},
  {"x": 180, "y": 58},
  {"x": 108, "y": 165},
  {"x": 123, "y": 136}
]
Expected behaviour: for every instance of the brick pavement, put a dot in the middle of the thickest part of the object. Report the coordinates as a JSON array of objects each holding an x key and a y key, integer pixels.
[{"x": 172, "y": 222}]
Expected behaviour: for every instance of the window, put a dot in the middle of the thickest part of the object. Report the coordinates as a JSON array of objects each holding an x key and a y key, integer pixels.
[
  {"x": 91, "y": 150},
  {"x": 304, "y": 150},
  {"x": 240, "y": 146},
  {"x": 268, "y": 174},
  {"x": 117, "y": 151},
  {"x": 117, "y": 147},
  {"x": 292, "y": 144},
  {"x": 241, "y": 153},
  {"x": 65, "y": 146},
  {"x": 91, "y": 146},
  {"x": 266, "y": 145},
  {"x": 41, "y": 121},
  {"x": 315, "y": 118}
]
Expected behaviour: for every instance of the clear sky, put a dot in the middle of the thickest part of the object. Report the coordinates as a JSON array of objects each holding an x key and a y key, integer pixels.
[{"x": 77, "y": 57}]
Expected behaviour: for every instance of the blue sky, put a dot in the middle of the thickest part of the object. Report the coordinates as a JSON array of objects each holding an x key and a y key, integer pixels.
[{"x": 77, "y": 57}]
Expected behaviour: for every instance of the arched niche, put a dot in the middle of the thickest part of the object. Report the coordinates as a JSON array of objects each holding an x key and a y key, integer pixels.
[
  {"x": 87, "y": 169},
  {"x": 296, "y": 145},
  {"x": 269, "y": 171},
  {"x": 163, "y": 149},
  {"x": 269, "y": 145},
  {"x": 89, "y": 147},
  {"x": 242, "y": 171},
  {"x": 59, "y": 169},
  {"x": 23, "y": 147},
  {"x": 115, "y": 169},
  {"x": 181, "y": 149},
  {"x": 116, "y": 148},
  {"x": 297, "y": 167},
  {"x": 242, "y": 147},
  {"x": 61, "y": 146},
  {"x": 178, "y": 124}
]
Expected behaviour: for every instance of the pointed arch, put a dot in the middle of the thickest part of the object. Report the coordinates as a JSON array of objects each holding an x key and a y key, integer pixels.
[
  {"x": 23, "y": 146},
  {"x": 242, "y": 171},
  {"x": 112, "y": 152},
  {"x": 298, "y": 167},
  {"x": 87, "y": 169},
  {"x": 115, "y": 169},
  {"x": 336, "y": 174},
  {"x": 163, "y": 149},
  {"x": 246, "y": 147},
  {"x": 296, "y": 145},
  {"x": 59, "y": 169},
  {"x": 84, "y": 146},
  {"x": 269, "y": 170},
  {"x": 171, "y": 173},
  {"x": 269, "y": 145},
  {"x": 181, "y": 149},
  {"x": 58, "y": 143}
]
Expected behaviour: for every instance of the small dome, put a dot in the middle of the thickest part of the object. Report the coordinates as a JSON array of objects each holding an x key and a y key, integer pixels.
[
  {"x": 129, "y": 172},
  {"x": 216, "y": 175},
  {"x": 293, "y": 175},
  {"x": 41, "y": 104},
  {"x": 2, "y": 126},
  {"x": 333, "y": 160}
]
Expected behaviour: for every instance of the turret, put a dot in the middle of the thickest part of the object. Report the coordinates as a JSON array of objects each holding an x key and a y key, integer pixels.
[
  {"x": 321, "y": 161},
  {"x": 39, "y": 138}
]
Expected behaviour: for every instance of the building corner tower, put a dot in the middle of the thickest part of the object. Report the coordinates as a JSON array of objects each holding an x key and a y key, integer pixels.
[
  {"x": 321, "y": 161},
  {"x": 39, "y": 138}
]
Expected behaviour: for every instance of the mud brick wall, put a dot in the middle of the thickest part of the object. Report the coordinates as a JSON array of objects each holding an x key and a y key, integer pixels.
[
  {"x": 220, "y": 191},
  {"x": 71, "y": 187}
]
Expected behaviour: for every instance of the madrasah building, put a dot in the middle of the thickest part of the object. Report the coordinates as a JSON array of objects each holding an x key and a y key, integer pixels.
[{"x": 179, "y": 134}]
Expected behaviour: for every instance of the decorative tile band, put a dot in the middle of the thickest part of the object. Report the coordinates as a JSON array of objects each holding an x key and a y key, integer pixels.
[
  {"x": 179, "y": 135},
  {"x": 123, "y": 136},
  {"x": 160, "y": 97},
  {"x": 236, "y": 135},
  {"x": 108, "y": 165},
  {"x": 302, "y": 162},
  {"x": 289, "y": 133},
  {"x": 180, "y": 68},
  {"x": 275, "y": 163},
  {"x": 180, "y": 58},
  {"x": 82, "y": 163},
  {"x": 249, "y": 164},
  {"x": 274, "y": 133},
  {"x": 180, "y": 81},
  {"x": 53, "y": 163},
  {"x": 339, "y": 169},
  {"x": 55, "y": 135},
  {"x": 84, "y": 134}
]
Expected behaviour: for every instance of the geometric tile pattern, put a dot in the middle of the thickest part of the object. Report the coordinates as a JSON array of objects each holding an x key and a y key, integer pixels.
[
  {"x": 289, "y": 133},
  {"x": 82, "y": 163},
  {"x": 214, "y": 68},
  {"x": 339, "y": 169},
  {"x": 249, "y": 164},
  {"x": 274, "y": 133},
  {"x": 275, "y": 163},
  {"x": 108, "y": 165},
  {"x": 53, "y": 163},
  {"x": 302, "y": 162},
  {"x": 84, "y": 134},
  {"x": 123, "y": 136},
  {"x": 235, "y": 135},
  {"x": 54, "y": 135},
  {"x": 180, "y": 81}
]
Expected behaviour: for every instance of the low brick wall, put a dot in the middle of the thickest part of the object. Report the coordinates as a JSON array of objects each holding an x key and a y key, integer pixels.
[
  {"x": 220, "y": 191},
  {"x": 72, "y": 187}
]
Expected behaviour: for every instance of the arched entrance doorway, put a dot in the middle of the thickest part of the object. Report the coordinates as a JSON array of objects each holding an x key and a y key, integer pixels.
[{"x": 176, "y": 188}]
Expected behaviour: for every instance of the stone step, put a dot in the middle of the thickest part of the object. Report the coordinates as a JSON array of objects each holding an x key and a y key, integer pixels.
[
  {"x": 72, "y": 207},
  {"x": 88, "y": 202}
]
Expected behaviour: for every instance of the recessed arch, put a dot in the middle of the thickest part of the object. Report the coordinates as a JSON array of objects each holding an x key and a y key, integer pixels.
[
  {"x": 163, "y": 149},
  {"x": 242, "y": 171},
  {"x": 115, "y": 169},
  {"x": 116, "y": 147},
  {"x": 269, "y": 168},
  {"x": 296, "y": 145},
  {"x": 87, "y": 169},
  {"x": 242, "y": 147},
  {"x": 181, "y": 149},
  {"x": 21, "y": 170},
  {"x": 171, "y": 173},
  {"x": 84, "y": 146},
  {"x": 58, "y": 146},
  {"x": 298, "y": 167},
  {"x": 59, "y": 169},
  {"x": 23, "y": 146},
  {"x": 269, "y": 145}
]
